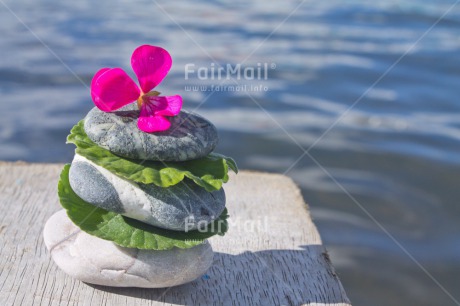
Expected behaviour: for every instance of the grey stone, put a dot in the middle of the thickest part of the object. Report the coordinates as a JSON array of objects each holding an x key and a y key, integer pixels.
[
  {"x": 184, "y": 206},
  {"x": 88, "y": 181},
  {"x": 101, "y": 262},
  {"x": 189, "y": 137}
]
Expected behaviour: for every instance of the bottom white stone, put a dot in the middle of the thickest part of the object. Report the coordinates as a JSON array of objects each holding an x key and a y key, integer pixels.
[{"x": 101, "y": 262}]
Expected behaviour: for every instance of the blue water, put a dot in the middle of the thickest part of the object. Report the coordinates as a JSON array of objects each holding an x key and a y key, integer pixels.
[{"x": 384, "y": 188}]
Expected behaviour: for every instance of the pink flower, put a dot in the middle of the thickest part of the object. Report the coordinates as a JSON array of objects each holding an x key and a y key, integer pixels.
[{"x": 112, "y": 88}]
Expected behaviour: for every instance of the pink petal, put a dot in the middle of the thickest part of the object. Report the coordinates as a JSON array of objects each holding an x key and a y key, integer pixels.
[
  {"x": 166, "y": 106},
  {"x": 150, "y": 64},
  {"x": 112, "y": 89},
  {"x": 152, "y": 123},
  {"x": 93, "y": 81}
]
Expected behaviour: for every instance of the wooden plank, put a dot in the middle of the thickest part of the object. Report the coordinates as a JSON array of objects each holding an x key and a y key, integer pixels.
[{"x": 272, "y": 254}]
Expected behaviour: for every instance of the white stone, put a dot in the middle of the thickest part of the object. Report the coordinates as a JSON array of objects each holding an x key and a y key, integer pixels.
[{"x": 101, "y": 262}]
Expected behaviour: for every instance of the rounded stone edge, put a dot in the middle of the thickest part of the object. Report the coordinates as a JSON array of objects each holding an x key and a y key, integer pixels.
[{"x": 61, "y": 249}]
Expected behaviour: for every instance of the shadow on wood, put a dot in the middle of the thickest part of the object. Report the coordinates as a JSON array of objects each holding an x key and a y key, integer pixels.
[{"x": 281, "y": 277}]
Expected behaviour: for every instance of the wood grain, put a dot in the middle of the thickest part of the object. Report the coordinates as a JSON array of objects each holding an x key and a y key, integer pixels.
[{"x": 272, "y": 254}]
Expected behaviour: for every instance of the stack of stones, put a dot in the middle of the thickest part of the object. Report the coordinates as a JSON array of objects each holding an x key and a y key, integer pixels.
[{"x": 184, "y": 206}]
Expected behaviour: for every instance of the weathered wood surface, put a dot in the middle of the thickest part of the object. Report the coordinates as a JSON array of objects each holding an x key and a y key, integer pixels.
[{"x": 272, "y": 254}]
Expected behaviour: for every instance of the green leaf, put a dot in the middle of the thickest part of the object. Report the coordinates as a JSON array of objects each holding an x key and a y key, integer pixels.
[
  {"x": 209, "y": 172},
  {"x": 128, "y": 232}
]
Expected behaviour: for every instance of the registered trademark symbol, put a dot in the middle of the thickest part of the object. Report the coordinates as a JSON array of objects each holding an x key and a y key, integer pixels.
[{"x": 273, "y": 66}]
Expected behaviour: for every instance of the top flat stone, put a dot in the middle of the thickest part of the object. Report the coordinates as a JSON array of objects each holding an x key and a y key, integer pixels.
[{"x": 189, "y": 137}]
